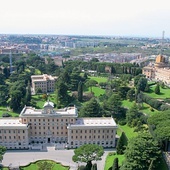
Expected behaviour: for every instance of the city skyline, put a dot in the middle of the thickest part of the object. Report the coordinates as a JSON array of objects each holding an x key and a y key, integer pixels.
[{"x": 104, "y": 18}]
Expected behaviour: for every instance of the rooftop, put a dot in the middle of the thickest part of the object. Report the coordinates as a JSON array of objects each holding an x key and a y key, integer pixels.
[
  {"x": 96, "y": 122},
  {"x": 30, "y": 111},
  {"x": 6, "y": 123}
]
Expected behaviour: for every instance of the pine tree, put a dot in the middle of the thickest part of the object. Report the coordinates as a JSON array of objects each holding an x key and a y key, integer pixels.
[
  {"x": 80, "y": 91},
  {"x": 157, "y": 89},
  {"x": 121, "y": 144}
]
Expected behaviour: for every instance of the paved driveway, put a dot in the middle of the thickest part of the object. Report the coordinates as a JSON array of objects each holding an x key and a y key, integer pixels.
[{"x": 18, "y": 158}]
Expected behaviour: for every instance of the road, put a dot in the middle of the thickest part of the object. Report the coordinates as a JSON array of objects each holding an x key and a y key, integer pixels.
[{"x": 22, "y": 158}]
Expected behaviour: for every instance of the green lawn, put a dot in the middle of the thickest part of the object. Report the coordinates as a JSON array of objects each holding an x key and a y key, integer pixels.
[
  {"x": 56, "y": 166},
  {"x": 5, "y": 110},
  {"x": 128, "y": 131},
  {"x": 40, "y": 101},
  {"x": 110, "y": 158},
  {"x": 146, "y": 108},
  {"x": 165, "y": 93},
  {"x": 99, "y": 79},
  {"x": 97, "y": 91}
]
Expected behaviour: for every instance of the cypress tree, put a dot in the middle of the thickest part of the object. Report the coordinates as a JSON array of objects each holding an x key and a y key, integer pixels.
[
  {"x": 80, "y": 91},
  {"x": 115, "y": 164},
  {"x": 28, "y": 94},
  {"x": 157, "y": 89},
  {"x": 122, "y": 143}
]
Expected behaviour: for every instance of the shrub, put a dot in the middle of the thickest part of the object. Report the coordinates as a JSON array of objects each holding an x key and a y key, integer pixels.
[{"x": 6, "y": 115}]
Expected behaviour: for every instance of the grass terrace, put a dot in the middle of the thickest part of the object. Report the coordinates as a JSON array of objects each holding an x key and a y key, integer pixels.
[
  {"x": 165, "y": 93},
  {"x": 6, "y": 110},
  {"x": 110, "y": 158},
  {"x": 146, "y": 108},
  {"x": 99, "y": 79},
  {"x": 40, "y": 101}
]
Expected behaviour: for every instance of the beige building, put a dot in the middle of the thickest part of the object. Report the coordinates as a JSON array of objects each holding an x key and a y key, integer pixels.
[
  {"x": 149, "y": 72},
  {"x": 159, "y": 72},
  {"x": 44, "y": 82},
  {"x": 61, "y": 128}
]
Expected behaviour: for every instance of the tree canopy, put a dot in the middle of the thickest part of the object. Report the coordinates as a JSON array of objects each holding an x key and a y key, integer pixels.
[
  {"x": 91, "y": 109},
  {"x": 88, "y": 153},
  {"x": 2, "y": 151},
  {"x": 159, "y": 126},
  {"x": 140, "y": 152}
]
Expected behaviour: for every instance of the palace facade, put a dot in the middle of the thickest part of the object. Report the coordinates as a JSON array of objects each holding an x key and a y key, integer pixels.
[{"x": 52, "y": 126}]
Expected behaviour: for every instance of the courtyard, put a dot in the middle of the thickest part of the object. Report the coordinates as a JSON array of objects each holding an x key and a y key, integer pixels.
[{"x": 18, "y": 158}]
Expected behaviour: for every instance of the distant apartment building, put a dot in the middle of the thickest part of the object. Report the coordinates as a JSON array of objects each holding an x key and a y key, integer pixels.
[
  {"x": 44, "y": 82},
  {"x": 38, "y": 127}
]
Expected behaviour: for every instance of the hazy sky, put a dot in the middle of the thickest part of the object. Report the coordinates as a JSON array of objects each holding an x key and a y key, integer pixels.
[{"x": 86, "y": 17}]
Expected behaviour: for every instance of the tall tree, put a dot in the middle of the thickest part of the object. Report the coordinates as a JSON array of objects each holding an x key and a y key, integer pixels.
[
  {"x": 91, "y": 109},
  {"x": 157, "y": 89},
  {"x": 2, "y": 151},
  {"x": 114, "y": 104},
  {"x": 115, "y": 164},
  {"x": 80, "y": 91},
  {"x": 121, "y": 144},
  {"x": 140, "y": 152},
  {"x": 3, "y": 94},
  {"x": 141, "y": 84},
  {"x": 62, "y": 97},
  {"x": 133, "y": 115},
  {"x": 28, "y": 94},
  {"x": 88, "y": 153},
  {"x": 131, "y": 94}
]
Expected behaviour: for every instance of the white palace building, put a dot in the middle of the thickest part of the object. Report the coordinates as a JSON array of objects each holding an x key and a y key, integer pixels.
[{"x": 51, "y": 126}]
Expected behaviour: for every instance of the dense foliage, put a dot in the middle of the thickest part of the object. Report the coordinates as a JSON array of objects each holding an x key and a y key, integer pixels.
[
  {"x": 141, "y": 151},
  {"x": 159, "y": 126}
]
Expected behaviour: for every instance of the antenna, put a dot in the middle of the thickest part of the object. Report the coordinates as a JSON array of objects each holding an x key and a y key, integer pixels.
[
  {"x": 10, "y": 61},
  {"x": 162, "y": 41}
]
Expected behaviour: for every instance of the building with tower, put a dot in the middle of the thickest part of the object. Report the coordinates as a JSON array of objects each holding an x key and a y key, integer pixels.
[{"x": 160, "y": 71}]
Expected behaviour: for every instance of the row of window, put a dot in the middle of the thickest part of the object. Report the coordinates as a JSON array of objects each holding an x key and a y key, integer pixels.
[
  {"x": 50, "y": 120},
  {"x": 90, "y": 131},
  {"x": 52, "y": 128},
  {"x": 92, "y": 137},
  {"x": 92, "y": 142},
  {"x": 48, "y": 133},
  {"x": 12, "y": 131},
  {"x": 53, "y": 138},
  {"x": 12, "y": 137}
]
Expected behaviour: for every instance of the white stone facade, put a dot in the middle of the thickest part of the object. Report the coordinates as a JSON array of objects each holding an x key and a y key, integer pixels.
[{"x": 48, "y": 125}]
